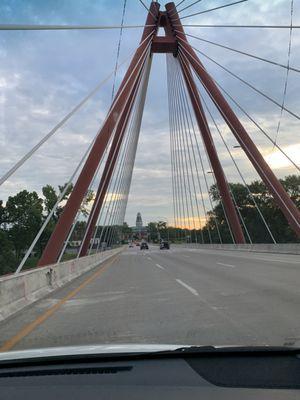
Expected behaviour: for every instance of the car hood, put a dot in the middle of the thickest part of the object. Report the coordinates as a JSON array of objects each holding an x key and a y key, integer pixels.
[{"x": 86, "y": 350}]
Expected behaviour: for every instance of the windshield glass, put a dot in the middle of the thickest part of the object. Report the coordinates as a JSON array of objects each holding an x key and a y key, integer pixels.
[{"x": 149, "y": 173}]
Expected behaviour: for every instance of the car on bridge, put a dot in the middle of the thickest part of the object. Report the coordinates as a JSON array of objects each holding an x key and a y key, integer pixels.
[
  {"x": 164, "y": 245},
  {"x": 144, "y": 246}
]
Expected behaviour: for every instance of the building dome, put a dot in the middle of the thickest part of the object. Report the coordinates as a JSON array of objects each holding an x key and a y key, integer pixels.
[{"x": 139, "y": 221}]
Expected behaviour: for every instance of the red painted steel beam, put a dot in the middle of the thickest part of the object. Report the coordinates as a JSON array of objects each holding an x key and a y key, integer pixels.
[
  {"x": 281, "y": 197},
  {"x": 62, "y": 228},
  {"x": 167, "y": 43},
  {"x": 108, "y": 170},
  {"x": 162, "y": 44}
]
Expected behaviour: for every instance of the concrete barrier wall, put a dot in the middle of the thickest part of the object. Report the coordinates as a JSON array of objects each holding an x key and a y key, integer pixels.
[
  {"x": 283, "y": 248},
  {"x": 17, "y": 291}
]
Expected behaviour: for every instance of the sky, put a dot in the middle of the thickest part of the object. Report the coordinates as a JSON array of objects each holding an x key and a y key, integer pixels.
[{"x": 43, "y": 75}]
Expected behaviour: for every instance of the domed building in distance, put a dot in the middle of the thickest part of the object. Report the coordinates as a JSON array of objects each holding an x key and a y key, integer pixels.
[{"x": 139, "y": 231}]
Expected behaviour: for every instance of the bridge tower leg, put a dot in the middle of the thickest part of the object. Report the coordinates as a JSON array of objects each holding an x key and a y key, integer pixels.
[
  {"x": 281, "y": 197},
  {"x": 62, "y": 228}
]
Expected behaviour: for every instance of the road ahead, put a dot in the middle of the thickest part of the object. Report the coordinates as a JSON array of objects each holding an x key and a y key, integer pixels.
[{"x": 182, "y": 296}]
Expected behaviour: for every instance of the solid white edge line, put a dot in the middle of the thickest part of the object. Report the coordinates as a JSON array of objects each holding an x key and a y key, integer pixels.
[{"x": 194, "y": 291}]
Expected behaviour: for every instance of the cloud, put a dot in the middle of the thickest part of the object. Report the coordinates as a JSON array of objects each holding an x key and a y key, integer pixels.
[{"x": 44, "y": 74}]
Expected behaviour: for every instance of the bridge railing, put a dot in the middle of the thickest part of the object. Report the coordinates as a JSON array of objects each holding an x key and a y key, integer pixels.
[
  {"x": 18, "y": 291},
  {"x": 279, "y": 248}
]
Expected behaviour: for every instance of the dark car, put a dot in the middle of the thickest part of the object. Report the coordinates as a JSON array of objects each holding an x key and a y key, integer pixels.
[
  {"x": 164, "y": 245},
  {"x": 144, "y": 246}
]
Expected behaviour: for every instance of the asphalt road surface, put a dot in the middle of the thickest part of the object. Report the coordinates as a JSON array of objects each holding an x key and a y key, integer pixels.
[{"x": 183, "y": 296}]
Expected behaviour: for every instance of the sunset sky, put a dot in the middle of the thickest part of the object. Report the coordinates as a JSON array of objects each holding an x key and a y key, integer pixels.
[{"x": 43, "y": 75}]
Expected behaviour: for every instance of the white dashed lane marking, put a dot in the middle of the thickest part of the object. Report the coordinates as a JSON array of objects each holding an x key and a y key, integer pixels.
[
  {"x": 194, "y": 291},
  {"x": 226, "y": 265}
]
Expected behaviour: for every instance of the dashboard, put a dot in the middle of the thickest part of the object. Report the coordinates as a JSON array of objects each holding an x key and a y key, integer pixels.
[{"x": 222, "y": 376}]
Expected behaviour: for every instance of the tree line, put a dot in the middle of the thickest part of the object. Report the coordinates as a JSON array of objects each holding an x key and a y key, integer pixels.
[{"x": 24, "y": 213}]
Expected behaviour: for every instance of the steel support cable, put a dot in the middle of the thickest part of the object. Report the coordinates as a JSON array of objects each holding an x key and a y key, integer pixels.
[
  {"x": 79, "y": 211},
  {"x": 119, "y": 192},
  {"x": 110, "y": 164},
  {"x": 119, "y": 141},
  {"x": 115, "y": 204},
  {"x": 141, "y": 105},
  {"x": 187, "y": 189},
  {"x": 178, "y": 4},
  {"x": 196, "y": 169},
  {"x": 136, "y": 129},
  {"x": 234, "y": 200},
  {"x": 244, "y": 145},
  {"x": 118, "y": 49},
  {"x": 190, "y": 123},
  {"x": 222, "y": 203},
  {"x": 258, "y": 91},
  {"x": 123, "y": 197},
  {"x": 287, "y": 67},
  {"x": 78, "y": 214},
  {"x": 214, "y": 216},
  {"x": 183, "y": 132},
  {"x": 179, "y": 152},
  {"x": 238, "y": 169},
  {"x": 245, "y": 184},
  {"x": 24, "y": 27},
  {"x": 99, "y": 218},
  {"x": 198, "y": 178},
  {"x": 257, "y": 125},
  {"x": 286, "y": 76},
  {"x": 189, "y": 6},
  {"x": 243, "y": 81},
  {"x": 147, "y": 8},
  {"x": 114, "y": 190},
  {"x": 120, "y": 198},
  {"x": 175, "y": 149},
  {"x": 171, "y": 141},
  {"x": 213, "y": 9},
  {"x": 29, "y": 154},
  {"x": 113, "y": 185},
  {"x": 174, "y": 145},
  {"x": 188, "y": 131},
  {"x": 241, "y": 216},
  {"x": 52, "y": 212},
  {"x": 209, "y": 162},
  {"x": 49, "y": 216},
  {"x": 147, "y": 48},
  {"x": 239, "y": 26},
  {"x": 182, "y": 154}
]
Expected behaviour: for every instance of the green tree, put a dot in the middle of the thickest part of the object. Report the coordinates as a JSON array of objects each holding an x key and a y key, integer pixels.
[
  {"x": 254, "y": 223},
  {"x": 7, "y": 255},
  {"x": 24, "y": 217}
]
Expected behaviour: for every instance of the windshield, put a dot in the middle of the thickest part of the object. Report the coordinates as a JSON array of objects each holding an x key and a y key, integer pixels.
[{"x": 149, "y": 173}]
